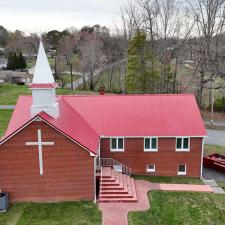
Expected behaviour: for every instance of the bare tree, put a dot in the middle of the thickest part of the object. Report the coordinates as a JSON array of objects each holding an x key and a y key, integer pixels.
[
  {"x": 92, "y": 56},
  {"x": 209, "y": 20}
]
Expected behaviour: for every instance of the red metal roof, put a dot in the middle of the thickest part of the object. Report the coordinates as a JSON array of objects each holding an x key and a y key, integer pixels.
[
  {"x": 85, "y": 118},
  {"x": 140, "y": 115},
  {"x": 69, "y": 122}
]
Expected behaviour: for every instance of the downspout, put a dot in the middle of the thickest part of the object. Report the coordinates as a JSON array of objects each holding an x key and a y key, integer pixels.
[
  {"x": 95, "y": 197},
  {"x": 95, "y": 167},
  {"x": 201, "y": 169}
]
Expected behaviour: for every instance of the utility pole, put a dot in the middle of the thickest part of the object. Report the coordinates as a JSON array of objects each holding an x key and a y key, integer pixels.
[
  {"x": 212, "y": 100},
  {"x": 71, "y": 75}
]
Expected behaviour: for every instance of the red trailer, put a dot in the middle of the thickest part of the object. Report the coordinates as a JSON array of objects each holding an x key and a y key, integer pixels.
[{"x": 215, "y": 161}]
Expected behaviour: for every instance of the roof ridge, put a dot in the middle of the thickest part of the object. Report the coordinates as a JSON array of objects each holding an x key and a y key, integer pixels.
[
  {"x": 128, "y": 95},
  {"x": 62, "y": 98}
]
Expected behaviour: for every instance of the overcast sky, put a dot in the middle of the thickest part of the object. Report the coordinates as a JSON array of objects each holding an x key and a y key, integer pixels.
[{"x": 44, "y": 15}]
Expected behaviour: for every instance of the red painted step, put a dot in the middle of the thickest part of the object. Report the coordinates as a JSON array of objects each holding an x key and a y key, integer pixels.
[{"x": 117, "y": 188}]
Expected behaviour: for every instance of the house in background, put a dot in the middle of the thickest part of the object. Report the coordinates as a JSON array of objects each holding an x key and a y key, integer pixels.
[
  {"x": 86, "y": 147},
  {"x": 15, "y": 77}
]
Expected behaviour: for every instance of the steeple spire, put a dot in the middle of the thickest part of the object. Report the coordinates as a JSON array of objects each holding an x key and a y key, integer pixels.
[
  {"x": 43, "y": 87},
  {"x": 42, "y": 73}
]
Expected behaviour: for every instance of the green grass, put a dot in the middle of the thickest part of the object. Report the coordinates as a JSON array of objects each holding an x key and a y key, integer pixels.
[
  {"x": 183, "y": 208},
  {"x": 221, "y": 184},
  {"x": 5, "y": 115},
  {"x": 10, "y": 92},
  {"x": 67, "y": 77},
  {"x": 13, "y": 214},
  {"x": 31, "y": 63},
  {"x": 171, "y": 180},
  {"x": 210, "y": 149},
  {"x": 64, "y": 213}
]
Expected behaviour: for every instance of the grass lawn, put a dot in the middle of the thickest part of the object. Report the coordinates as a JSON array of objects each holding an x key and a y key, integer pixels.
[
  {"x": 5, "y": 115},
  {"x": 64, "y": 213},
  {"x": 173, "y": 208},
  {"x": 210, "y": 149},
  {"x": 67, "y": 77},
  {"x": 221, "y": 184},
  {"x": 10, "y": 92},
  {"x": 172, "y": 180}
]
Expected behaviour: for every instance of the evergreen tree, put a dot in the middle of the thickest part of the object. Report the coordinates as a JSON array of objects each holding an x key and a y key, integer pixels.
[
  {"x": 15, "y": 62},
  {"x": 21, "y": 61},
  {"x": 10, "y": 61},
  {"x": 140, "y": 74}
]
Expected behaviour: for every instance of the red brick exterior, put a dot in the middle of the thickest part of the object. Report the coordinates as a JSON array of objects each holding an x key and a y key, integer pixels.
[
  {"x": 68, "y": 168},
  {"x": 166, "y": 160}
]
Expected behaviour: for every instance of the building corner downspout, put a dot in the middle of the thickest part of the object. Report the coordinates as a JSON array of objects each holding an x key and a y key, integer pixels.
[
  {"x": 95, "y": 197},
  {"x": 201, "y": 169},
  {"x": 95, "y": 167}
]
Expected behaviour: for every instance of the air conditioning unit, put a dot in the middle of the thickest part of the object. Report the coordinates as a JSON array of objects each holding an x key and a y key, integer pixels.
[{"x": 3, "y": 201}]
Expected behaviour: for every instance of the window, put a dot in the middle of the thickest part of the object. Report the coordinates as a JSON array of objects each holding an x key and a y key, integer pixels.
[
  {"x": 150, "y": 144},
  {"x": 183, "y": 144},
  {"x": 117, "y": 144},
  {"x": 150, "y": 168},
  {"x": 181, "y": 170}
]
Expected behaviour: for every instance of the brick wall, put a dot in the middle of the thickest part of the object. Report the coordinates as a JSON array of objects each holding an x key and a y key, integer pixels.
[
  {"x": 166, "y": 159},
  {"x": 68, "y": 168}
]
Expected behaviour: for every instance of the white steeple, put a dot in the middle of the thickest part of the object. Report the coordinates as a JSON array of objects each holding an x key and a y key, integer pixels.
[
  {"x": 43, "y": 87},
  {"x": 42, "y": 72}
]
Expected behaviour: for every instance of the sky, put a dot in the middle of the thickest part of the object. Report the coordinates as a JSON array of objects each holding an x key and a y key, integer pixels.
[{"x": 44, "y": 15}]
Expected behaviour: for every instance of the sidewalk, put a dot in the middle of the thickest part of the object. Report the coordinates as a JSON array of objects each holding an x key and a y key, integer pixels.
[{"x": 116, "y": 213}]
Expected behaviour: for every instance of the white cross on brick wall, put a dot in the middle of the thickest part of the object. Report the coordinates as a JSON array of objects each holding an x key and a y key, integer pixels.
[{"x": 39, "y": 143}]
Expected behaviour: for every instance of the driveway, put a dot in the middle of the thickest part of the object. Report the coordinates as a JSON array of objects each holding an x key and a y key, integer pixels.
[
  {"x": 215, "y": 137},
  {"x": 211, "y": 174}
]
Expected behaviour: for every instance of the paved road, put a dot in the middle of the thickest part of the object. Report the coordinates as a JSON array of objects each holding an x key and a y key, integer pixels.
[
  {"x": 7, "y": 106},
  {"x": 219, "y": 124},
  {"x": 79, "y": 81},
  {"x": 216, "y": 137}
]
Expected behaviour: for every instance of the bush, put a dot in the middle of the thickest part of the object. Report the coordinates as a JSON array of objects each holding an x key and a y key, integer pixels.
[{"x": 219, "y": 105}]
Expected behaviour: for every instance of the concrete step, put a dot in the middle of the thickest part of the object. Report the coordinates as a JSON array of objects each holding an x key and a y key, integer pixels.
[
  {"x": 117, "y": 199},
  {"x": 113, "y": 191},
  {"x": 117, "y": 188}
]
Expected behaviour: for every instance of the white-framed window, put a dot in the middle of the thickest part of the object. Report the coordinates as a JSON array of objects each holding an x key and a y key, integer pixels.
[
  {"x": 117, "y": 144},
  {"x": 150, "y": 144},
  {"x": 181, "y": 169},
  {"x": 150, "y": 168},
  {"x": 182, "y": 144}
]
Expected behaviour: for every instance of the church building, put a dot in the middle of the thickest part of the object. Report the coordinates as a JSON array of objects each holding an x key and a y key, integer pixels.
[{"x": 74, "y": 147}]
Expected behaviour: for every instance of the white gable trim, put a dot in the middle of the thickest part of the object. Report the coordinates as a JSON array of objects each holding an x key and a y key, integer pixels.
[{"x": 38, "y": 118}]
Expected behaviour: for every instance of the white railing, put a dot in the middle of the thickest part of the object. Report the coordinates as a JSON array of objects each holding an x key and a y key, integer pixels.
[{"x": 113, "y": 162}]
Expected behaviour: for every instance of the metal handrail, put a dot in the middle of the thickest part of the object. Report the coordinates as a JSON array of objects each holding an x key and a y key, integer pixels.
[{"x": 113, "y": 162}]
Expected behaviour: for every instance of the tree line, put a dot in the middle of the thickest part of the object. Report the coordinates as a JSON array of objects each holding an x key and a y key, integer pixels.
[{"x": 160, "y": 46}]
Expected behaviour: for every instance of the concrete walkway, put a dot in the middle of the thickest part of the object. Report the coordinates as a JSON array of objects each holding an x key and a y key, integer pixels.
[
  {"x": 215, "y": 187},
  {"x": 7, "y": 106},
  {"x": 116, "y": 213}
]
